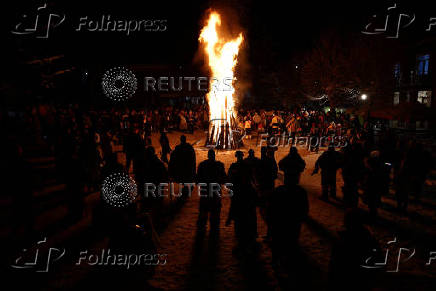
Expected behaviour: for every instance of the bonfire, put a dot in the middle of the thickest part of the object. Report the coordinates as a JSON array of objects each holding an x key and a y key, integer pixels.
[{"x": 222, "y": 56}]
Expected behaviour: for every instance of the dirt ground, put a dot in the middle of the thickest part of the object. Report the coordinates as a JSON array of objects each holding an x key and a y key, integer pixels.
[
  {"x": 218, "y": 269},
  {"x": 207, "y": 264}
]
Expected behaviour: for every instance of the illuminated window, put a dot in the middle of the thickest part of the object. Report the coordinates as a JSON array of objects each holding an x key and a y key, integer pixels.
[
  {"x": 397, "y": 71},
  {"x": 396, "y": 98},
  {"x": 423, "y": 62},
  {"x": 424, "y": 97}
]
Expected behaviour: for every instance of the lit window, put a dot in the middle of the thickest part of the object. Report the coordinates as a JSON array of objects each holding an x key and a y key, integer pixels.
[
  {"x": 423, "y": 62},
  {"x": 397, "y": 71},
  {"x": 396, "y": 98},
  {"x": 424, "y": 97}
]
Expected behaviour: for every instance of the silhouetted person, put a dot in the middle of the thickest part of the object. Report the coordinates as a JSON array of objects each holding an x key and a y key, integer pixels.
[
  {"x": 243, "y": 204},
  {"x": 292, "y": 165},
  {"x": 106, "y": 146},
  {"x": 329, "y": 162},
  {"x": 165, "y": 145},
  {"x": 268, "y": 169},
  {"x": 268, "y": 175},
  {"x": 287, "y": 209},
  {"x": 102, "y": 212},
  {"x": 128, "y": 235},
  {"x": 314, "y": 139},
  {"x": 417, "y": 165},
  {"x": 182, "y": 164},
  {"x": 211, "y": 173},
  {"x": 154, "y": 173},
  {"x": 253, "y": 164},
  {"x": 355, "y": 245},
  {"x": 111, "y": 166},
  {"x": 375, "y": 174},
  {"x": 91, "y": 158},
  {"x": 139, "y": 171},
  {"x": 352, "y": 170},
  {"x": 403, "y": 186},
  {"x": 133, "y": 146}
]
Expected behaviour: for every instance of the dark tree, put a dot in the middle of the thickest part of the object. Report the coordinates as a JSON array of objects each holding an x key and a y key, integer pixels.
[{"x": 341, "y": 68}]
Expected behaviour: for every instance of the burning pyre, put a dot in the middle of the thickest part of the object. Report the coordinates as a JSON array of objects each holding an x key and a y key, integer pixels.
[{"x": 222, "y": 56}]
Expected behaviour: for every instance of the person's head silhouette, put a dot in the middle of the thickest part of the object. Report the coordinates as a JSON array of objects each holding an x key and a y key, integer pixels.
[
  {"x": 239, "y": 155},
  {"x": 182, "y": 139},
  {"x": 331, "y": 146},
  {"x": 211, "y": 155}
]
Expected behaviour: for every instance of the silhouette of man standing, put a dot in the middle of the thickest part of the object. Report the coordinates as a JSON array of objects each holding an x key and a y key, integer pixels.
[
  {"x": 154, "y": 173},
  {"x": 243, "y": 203},
  {"x": 329, "y": 162},
  {"x": 253, "y": 166},
  {"x": 165, "y": 145},
  {"x": 375, "y": 173},
  {"x": 268, "y": 169},
  {"x": 292, "y": 165},
  {"x": 355, "y": 245},
  {"x": 133, "y": 146},
  {"x": 267, "y": 177},
  {"x": 352, "y": 170},
  {"x": 211, "y": 174},
  {"x": 182, "y": 164},
  {"x": 287, "y": 209}
]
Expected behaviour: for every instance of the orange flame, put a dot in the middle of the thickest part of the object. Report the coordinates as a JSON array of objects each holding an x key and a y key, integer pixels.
[{"x": 222, "y": 57}]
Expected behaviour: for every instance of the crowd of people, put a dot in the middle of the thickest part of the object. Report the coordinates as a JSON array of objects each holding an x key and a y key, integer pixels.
[
  {"x": 301, "y": 122},
  {"x": 85, "y": 146}
]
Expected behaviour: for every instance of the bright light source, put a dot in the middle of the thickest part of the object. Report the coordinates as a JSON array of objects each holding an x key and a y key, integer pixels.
[{"x": 364, "y": 97}]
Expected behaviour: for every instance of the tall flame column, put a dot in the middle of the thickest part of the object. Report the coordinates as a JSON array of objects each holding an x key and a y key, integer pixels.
[{"x": 222, "y": 56}]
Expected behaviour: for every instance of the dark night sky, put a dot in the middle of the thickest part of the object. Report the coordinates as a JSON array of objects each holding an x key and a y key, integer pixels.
[{"x": 283, "y": 27}]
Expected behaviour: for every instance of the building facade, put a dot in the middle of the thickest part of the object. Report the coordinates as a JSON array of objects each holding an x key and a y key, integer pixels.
[{"x": 415, "y": 87}]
